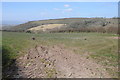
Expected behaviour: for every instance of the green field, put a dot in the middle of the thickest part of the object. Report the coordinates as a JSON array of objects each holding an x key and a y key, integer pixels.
[{"x": 99, "y": 46}]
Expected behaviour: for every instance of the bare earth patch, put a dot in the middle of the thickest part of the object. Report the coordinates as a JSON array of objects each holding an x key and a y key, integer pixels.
[
  {"x": 57, "y": 62},
  {"x": 114, "y": 37}
]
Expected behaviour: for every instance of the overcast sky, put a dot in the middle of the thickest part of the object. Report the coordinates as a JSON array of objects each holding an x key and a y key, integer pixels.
[{"x": 20, "y": 12}]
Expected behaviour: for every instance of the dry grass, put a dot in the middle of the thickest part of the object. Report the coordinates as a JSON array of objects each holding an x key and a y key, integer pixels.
[{"x": 46, "y": 27}]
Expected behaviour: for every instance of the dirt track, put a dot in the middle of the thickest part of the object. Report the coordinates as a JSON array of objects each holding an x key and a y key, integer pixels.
[{"x": 56, "y": 61}]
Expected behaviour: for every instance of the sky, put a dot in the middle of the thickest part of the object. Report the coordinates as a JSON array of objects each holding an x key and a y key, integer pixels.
[
  {"x": 21, "y": 12},
  {"x": 60, "y": 0}
]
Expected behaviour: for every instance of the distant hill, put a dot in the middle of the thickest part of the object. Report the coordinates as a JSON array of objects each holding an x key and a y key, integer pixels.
[
  {"x": 6, "y": 26},
  {"x": 69, "y": 23}
]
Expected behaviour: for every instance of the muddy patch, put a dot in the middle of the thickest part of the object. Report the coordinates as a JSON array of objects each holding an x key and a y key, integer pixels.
[
  {"x": 114, "y": 37},
  {"x": 57, "y": 62}
]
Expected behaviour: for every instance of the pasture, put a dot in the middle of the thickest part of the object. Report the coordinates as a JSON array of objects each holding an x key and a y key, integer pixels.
[{"x": 100, "y": 47}]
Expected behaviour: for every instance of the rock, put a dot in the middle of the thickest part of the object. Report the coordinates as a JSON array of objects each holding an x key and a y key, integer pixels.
[
  {"x": 46, "y": 52},
  {"x": 45, "y": 65},
  {"x": 33, "y": 38}
]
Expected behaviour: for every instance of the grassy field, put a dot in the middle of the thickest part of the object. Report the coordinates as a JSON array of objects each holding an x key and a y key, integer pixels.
[{"x": 101, "y": 47}]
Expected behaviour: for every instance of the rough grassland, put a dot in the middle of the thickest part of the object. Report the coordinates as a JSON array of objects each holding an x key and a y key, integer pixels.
[{"x": 97, "y": 45}]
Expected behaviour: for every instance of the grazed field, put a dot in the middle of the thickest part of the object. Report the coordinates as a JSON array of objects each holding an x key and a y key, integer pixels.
[{"x": 96, "y": 47}]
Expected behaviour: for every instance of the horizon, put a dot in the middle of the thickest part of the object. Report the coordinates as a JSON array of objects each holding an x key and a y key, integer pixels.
[
  {"x": 21, "y": 12},
  {"x": 60, "y": 18}
]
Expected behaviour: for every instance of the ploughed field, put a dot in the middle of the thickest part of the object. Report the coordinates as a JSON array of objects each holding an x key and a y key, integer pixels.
[{"x": 61, "y": 55}]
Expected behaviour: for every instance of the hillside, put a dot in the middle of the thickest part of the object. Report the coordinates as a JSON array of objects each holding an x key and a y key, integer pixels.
[{"x": 71, "y": 23}]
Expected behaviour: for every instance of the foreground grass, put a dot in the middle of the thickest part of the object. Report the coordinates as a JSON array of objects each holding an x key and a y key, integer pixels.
[{"x": 102, "y": 48}]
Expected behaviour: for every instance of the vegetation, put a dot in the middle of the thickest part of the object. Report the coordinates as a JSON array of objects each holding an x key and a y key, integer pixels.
[
  {"x": 101, "y": 47},
  {"x": 104, "y": 25}
]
